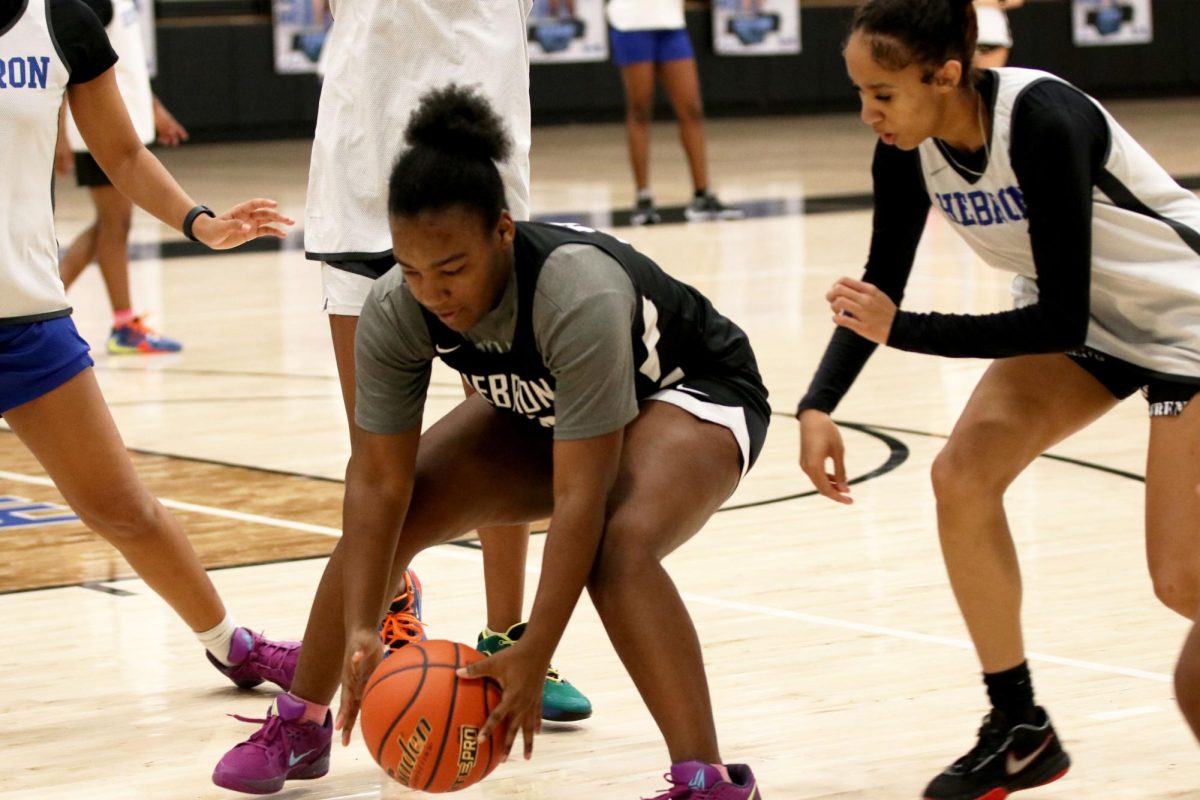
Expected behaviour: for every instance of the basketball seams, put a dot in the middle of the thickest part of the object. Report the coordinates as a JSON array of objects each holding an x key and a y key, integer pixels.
[
  {"x": 383, "y": 740},
  {"x": 449, "y": 724},
  {"x": 407, "y": 747}
]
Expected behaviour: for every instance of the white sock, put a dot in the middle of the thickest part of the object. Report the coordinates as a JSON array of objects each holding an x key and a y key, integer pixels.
[{"x": 217, "y": 640}]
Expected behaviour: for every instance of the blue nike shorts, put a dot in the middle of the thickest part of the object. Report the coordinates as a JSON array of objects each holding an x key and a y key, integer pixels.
[
  {"x": 38, "y": 357},
  {"x": 658, "y": 46}
]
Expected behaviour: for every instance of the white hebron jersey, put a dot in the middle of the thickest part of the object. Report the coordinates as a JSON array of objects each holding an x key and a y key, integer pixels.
[
  {"x": 33, "y": 78},
  {"x": 133, "y": 77},
  {"x": 382, "y": 57},
  {"x": 645, "y": 15},
  {"x": 1145, "y": 274}
]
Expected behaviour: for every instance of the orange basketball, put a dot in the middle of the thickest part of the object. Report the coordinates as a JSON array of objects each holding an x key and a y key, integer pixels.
[{"x": 421, "y": 722}]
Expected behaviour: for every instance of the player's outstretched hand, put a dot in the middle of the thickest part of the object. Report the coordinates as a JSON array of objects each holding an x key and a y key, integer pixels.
[
  {"x": 820, "y": 442},
  {"x": 240, "y": 224},
  {"x": 364, "y": 651},
  {"x": 863, "y": 308},
  {"x": 521, "y": 674}
]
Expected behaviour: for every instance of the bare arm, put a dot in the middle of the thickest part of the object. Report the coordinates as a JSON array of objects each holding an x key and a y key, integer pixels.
[
  {"x": 584, "y": 473},
  {"x": 379, "y": 483},
  {"x": 104, "y": 122}
]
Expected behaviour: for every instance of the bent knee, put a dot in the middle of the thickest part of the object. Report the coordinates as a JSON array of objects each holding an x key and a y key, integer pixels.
[
  {"x": 964, "y": 470},
  {"x": 622, "y": 557},
  {"x": 1177, "y": 587},
  {"x": 125, "y": 520}
]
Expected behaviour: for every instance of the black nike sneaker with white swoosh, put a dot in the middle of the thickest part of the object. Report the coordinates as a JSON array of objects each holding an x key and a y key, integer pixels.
[{"x": 1006, "y": 759}]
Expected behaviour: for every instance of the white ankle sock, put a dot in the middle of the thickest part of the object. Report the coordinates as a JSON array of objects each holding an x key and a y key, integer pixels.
[{"x": 217, "y": 640}]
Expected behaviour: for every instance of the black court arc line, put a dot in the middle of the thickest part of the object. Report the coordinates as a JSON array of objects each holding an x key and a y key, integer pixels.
[{"x": 896, "y": 457}]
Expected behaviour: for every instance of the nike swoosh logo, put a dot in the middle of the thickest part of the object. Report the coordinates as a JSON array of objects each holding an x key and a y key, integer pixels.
[
  {"x": 1014, "y": 765},
  {"x": 444, "y": 350},
  {"x": 294, "y": 759},
  {"x": 691, "y": 391}
]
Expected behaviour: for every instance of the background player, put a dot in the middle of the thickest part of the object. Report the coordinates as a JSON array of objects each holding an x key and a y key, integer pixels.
[
  {"x": 48, "y": 393},
  {"x": 994, "y": 43},
  {"x": 649, "y": 42},
  {"x": 1039, "y": 180},
  {"x": 106, "y": 240},
  {"x": 589, "y": 413}
]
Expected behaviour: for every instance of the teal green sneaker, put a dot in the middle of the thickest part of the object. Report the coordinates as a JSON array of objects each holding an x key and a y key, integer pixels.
[{"x": 561, "y": 702}]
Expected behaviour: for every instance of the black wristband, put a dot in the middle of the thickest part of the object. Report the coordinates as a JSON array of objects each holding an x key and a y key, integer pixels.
[{"x": 190, "y": 220}]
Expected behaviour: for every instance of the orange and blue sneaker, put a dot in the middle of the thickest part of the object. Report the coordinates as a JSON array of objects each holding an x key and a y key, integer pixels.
[
  {"x": 286, "y": 747},
  {"x": 696, "y": 780},
  {"x": 257, "y": 659},
  {"x": 561, "y": 702},
  {"x": 402, "y": 622},
  {"x": 137, "y": 337}
]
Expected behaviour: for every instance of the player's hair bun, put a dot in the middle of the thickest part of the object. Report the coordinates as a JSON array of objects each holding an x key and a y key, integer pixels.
[{"x": 458, "y": 120}]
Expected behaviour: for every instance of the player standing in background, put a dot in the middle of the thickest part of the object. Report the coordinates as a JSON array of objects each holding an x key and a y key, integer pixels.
[
  {"x": 48, "y": 393},
  {"x": 106, "y": 240},
  {"x": 995, "y": 42},
  {"x": 1041, "y": 181},
  {"x": 650, "y": 42}
]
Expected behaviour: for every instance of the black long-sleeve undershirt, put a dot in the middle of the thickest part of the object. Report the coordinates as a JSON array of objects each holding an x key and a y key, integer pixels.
[{"x": 1058, "y": 147}]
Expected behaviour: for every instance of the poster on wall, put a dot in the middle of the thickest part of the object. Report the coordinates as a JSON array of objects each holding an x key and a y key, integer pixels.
[
  {"x": 567, "y": 31},
  {"x": 756, "y": 27},
  {"x": 1101, "y": 22},
  {"x": 300, "y": 28}
]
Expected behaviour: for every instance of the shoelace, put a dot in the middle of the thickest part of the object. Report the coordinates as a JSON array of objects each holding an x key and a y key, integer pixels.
[
  {"x": 263, "y": 737},
  {"x": 990, "y": 739},
  {"x": 678, "y": 791},
  {"x": 401, "y": 627},
  {"x": 270, "y": 658}
]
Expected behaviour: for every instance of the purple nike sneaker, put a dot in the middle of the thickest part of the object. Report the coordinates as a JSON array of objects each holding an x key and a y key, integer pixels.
[
  {"x": 257, "y": 659},
  {"x": 695, "y": 780},
  {"x": 285, "y": 748}
]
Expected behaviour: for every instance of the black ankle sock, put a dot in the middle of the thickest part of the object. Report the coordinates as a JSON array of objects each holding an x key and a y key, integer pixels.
[
  {"x": 1011, "y": 693},
  {"x": 699, "y": 193}
]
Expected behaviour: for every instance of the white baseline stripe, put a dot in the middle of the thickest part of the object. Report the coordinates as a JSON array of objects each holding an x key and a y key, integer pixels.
[
  {"x": 699, "y": 599},
  {"x": 897, "y": 633}
]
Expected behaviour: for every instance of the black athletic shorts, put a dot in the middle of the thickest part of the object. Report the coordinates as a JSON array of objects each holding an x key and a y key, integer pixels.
[
  {"x": 88, "y": 172},
  {"x": 1167, "y": 395}
]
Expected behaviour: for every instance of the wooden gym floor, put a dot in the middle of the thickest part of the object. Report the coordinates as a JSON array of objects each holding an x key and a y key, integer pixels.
[{"x": 838, "y": 662}]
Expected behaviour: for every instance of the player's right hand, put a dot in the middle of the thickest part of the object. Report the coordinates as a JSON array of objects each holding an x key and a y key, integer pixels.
[
  {"x": 820, "y": 441},
  {"x": 364, "y": 651}
]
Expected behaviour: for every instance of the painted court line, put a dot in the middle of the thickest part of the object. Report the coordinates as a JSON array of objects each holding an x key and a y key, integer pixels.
[
  {"x": 1125, "y": 713},
  {"x": 713, "y": 602}
]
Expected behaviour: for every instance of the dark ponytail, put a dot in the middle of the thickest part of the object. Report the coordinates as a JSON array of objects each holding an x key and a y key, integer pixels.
[
  {"x": 924, "y": 32},
  {"x": 454, "y": 140}
]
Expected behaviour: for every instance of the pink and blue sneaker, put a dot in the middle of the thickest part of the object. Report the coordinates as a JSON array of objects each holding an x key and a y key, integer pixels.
[
  {"x": 286, "y": 747},
  {"x": 138, "y": 337},
  {"x": 696, "y": 780},
  {"x": 257, "y": 659}
]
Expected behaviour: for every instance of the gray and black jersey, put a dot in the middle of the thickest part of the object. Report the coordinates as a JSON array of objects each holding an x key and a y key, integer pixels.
[
  {"x": 587, "y": 327},
  {"x": 1104, "y": 243}
]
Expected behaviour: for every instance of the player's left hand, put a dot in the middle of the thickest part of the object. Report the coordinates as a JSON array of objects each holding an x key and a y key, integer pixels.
[
  {"x": 363, "y": 654},
  {"x": 240, "y": 224},
  {"x": 521, "y": 673},
  {"x": 862, "y": 308}
]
